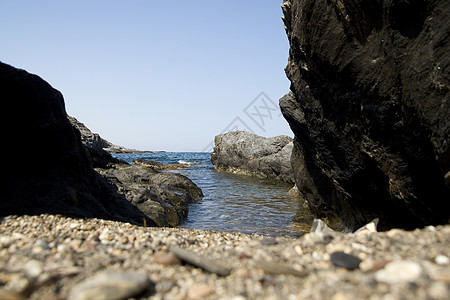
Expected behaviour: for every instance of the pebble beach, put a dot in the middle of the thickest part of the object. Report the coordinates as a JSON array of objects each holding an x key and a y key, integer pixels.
[{"x": 53, "y": 257}]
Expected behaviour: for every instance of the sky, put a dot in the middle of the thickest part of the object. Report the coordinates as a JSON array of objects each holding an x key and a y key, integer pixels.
[{"x": 156, "y": 75}]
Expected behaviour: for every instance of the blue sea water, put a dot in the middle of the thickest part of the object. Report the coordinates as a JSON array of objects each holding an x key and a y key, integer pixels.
[{"x": 235, "y": 203}]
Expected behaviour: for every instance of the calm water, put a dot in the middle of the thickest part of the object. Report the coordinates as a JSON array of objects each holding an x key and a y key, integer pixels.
[{"x": 235, "y": 203}]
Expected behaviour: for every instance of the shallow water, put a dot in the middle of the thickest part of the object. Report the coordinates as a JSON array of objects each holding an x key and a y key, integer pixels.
[{"x": 235, "y": 203}]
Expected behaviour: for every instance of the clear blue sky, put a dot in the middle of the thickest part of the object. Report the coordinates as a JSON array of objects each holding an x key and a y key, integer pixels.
[{"x": 155, "y": 75}]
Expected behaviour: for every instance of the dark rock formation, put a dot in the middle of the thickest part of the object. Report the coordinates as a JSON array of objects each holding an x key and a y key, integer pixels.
[
  {"x": 242, "y": 152},
  {"x": 95, "y": 142},
  {"x": 94, "y": 146},
  {"x": 370, "y": 108},
  {"x": 47, "y": 169},
  {"x": 162, "y": 196}
]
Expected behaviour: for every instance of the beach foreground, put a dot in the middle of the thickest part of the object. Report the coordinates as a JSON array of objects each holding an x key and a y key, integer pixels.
[{"x": 54, "y": 257}]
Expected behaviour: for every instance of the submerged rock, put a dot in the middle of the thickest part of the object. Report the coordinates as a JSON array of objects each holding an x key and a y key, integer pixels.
[
  {"x": 369, "y": 109},
  {"x": 245, "y": 153},
  {"x": 156, "y": 165}
]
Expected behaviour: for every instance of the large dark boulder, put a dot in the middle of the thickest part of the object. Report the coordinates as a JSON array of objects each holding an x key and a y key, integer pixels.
[
  {"x": 370, "y": 109},
  {"x": 245, "y": 153},
  {"x": 47, "y": 169},
  {"x": 163, "y": 197},
  {"x": 94, "y": 145},
  {"x": 44, "y": 165}
]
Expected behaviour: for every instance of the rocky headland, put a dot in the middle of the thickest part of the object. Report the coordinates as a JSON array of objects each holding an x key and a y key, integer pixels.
[
  {"x": 52, "y": 168},
  {"x": 369, "y": 107},
  {"x": 95, "y": 141},
  {"x": 245, "y": 153}
]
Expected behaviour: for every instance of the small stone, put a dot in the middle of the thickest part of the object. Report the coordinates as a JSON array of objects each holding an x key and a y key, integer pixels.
[
  {"x": 438, "y": 290},
  {"x": 319, "y": 226},
  {"x": 111, "y": 286},
  {"x": 268, "y": 242},
  {"x": 344, "y": 260},
  {"x": 340, "y": 296},
  {"x": 166, "y": 259},
  {"x": 442, "y": 260},
  {"x": 368, "y": 228},
  {"x": 197, "y": 291},
  {"x": 399, "y": 271},
  {"x": 63, "y": 248},
  {"x": 33, "y": 269},
  {"x": 439, "y": 273},
  {"x": 200, "y": 262},
  {"x": 276, "y": 268},
  {"x": 394, "y": 232}
]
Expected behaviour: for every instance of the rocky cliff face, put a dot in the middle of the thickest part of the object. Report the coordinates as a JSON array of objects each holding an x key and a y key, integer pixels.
[
  {"x": 370, "y": 108},
  {"x": 245, "y": 153},
  {"x": 95, "y": 142},
  {"x": 47, "y": 169}
]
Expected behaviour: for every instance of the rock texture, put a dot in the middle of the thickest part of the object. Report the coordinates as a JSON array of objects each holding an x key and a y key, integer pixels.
[
  {"x": 370, "y": 109},
  {"x": 161, "y": 196},
  {"x": 53, "y": 257},
  {"x": 47, "y": 169},
  {"x": 242, "y": 152}
]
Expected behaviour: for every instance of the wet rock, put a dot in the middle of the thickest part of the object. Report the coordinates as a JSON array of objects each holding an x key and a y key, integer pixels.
[
  {"x": 111, "y": 286},
  {"x": 399, "y": 271},
  {"x": 369, "y": 110},
  {"x": 245, "y": 153},
  {"x": 163, "y": 197},
  {"x": 155, "y": 165},
  {"x": 344, "y": 260}
]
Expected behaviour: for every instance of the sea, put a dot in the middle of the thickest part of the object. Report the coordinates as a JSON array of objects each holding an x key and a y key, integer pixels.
[{"x": 235, "y": 203}]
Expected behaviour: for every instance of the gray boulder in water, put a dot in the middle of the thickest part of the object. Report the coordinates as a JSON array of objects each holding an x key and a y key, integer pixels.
[{"x": 245, "y": 153}]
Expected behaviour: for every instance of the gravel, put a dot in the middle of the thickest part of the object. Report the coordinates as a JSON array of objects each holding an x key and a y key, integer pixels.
[{"x": 53, "y": 257}]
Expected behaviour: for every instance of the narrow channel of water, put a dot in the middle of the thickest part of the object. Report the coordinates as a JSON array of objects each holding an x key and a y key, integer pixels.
[{"x": 235, "y": 203}]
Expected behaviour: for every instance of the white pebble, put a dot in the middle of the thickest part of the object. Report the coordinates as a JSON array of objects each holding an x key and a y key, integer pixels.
[
  {"x": 33, "y": 269},
  {"x": 442, "y": 260},
  {"x": 399, "y": 271}
]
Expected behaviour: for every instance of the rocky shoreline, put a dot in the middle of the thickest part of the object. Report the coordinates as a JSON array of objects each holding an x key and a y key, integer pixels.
[{"x": 55, "y": 258}]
